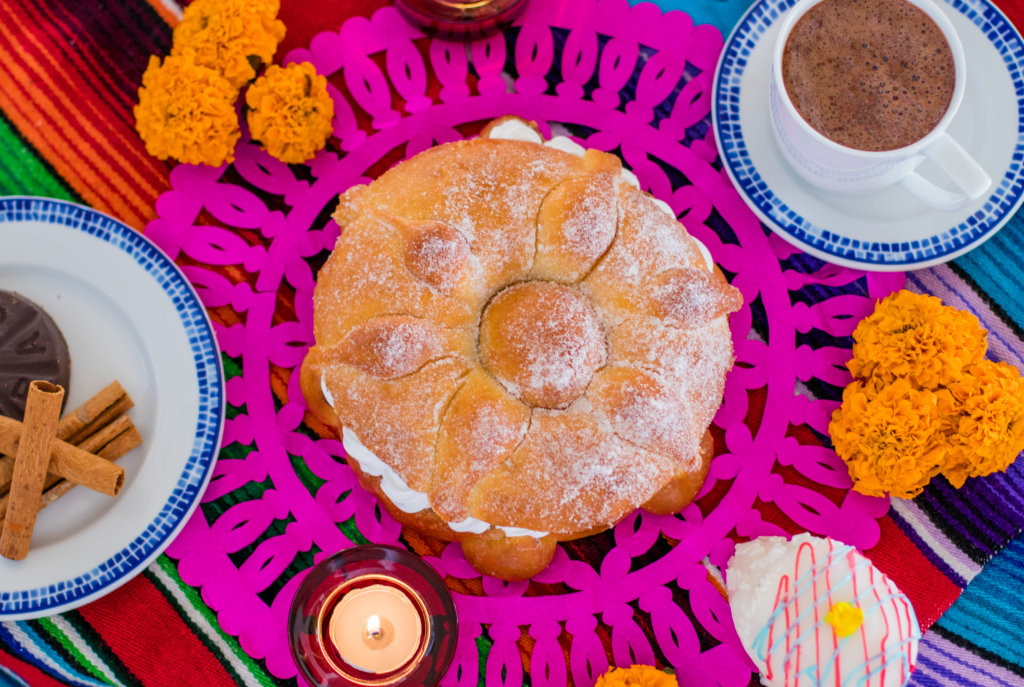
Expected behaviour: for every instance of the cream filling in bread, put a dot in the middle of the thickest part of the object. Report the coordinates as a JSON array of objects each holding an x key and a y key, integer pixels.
[
  {"x": 407, "y": 499},
  {"x": 404, "y": 497},
  {"x": 518, "y": 130}
]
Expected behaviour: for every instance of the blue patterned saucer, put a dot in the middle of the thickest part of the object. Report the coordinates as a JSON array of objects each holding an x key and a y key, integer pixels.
[
  {"x": 885, "y": 230},
  {"x": 127, "y": 313}
]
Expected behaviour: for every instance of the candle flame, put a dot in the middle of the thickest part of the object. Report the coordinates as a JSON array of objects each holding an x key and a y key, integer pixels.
[{"x": 373, "y": 626}]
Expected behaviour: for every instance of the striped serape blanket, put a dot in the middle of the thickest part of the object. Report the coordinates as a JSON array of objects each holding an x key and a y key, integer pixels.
[{"x": 68, "y": 82}]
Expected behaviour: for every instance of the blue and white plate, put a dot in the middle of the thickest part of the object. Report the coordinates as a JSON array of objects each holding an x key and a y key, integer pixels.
[
  {"x": 885, "y": 230},
  {"x": 127, "y": 313}
]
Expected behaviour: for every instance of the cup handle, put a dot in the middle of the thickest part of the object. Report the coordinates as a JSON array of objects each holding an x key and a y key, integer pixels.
[{"x": 965, "y": 172}]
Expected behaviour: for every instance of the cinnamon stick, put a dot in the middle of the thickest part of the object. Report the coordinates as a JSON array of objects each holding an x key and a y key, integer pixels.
[
  {"x": 69, "y": 462},
  {"x": 94, "y": 414},
  {"x": 80, "y": 423},
  {"x": 6, "y": 472},
  {"x": 100, "y": 440},
  {"x": 42, "y": 413},
  {"x": 96, "y": 442},
  {"x": 110, "y": 443}
]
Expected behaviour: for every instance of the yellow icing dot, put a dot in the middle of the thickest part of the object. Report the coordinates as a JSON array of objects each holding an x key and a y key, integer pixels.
[{"x": 845, "y": 618}]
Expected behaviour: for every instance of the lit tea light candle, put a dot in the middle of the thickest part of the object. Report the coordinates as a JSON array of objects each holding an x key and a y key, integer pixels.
[
  {"x": 376, "y": 629},
  {"x": 372, "y": 616}
]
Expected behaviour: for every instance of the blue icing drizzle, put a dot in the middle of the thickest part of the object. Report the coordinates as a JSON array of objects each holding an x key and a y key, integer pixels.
[
  {"x": 886, "y": 662},
  {"x": 892, "y": 657},
  {"x": 801, "y": 584}
]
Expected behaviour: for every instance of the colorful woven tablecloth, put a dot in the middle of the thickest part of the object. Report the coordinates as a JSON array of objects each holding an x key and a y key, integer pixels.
[{"x": 627, "y": 79}]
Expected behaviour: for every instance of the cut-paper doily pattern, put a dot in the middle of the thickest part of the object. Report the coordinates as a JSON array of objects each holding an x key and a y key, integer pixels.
[{"x": 251, "y": 236}]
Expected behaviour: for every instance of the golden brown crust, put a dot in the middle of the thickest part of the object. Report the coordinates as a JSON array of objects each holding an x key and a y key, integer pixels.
[
  {"x": 309, "y": 381},
  {"x": 425, "y": 521},
  {"x": 577, "y": 220},
  {"x": 488, "y": 190},
  {"x": 482, "y": 427},
  {"x": 349, "y": 206},
  {"x": 684, "y": 486},
  {"x": 389, "y": 346},
  {"x": 693, "y": 361},
  {"x": 543, "y": 341},
  {"x": 509, "y": 558},
  {"x": 523, "y": 337},
  {"x": 645, "y": 411},
  {"x": 690, "y": 297},
  {"x": 439, "y": 256},
  {"x": 398, "y": 419},
  {"x": 366, "y": 276},
  {"x": 569, "y": 475}
]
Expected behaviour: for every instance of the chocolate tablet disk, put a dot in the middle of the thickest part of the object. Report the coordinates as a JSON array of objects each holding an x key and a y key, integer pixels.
[{"x": 31, "y": 347}]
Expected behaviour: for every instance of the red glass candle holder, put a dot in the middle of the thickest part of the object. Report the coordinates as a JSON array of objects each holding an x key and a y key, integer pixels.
[
  {"x": 357, "y": 578},
  {"x": 461, "y": 20}
]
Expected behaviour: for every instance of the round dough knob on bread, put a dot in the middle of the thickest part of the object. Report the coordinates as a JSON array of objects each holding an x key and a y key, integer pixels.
[
  {"x": 543, "y": 341},
  {"x": 438, "y": 255},
  {"x": 509, "y": 558}
]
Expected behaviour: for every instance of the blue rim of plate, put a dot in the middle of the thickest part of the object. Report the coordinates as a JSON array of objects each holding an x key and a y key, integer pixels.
[
  {"x": 184, "y": 499},
  {"x": 998, "y": 208}
]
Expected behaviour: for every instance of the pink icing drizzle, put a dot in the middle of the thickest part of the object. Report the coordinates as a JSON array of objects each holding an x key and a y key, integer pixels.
[{"x": 808, "y": 573}]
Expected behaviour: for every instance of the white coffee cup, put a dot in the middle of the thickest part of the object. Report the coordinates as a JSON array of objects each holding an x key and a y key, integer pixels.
[{"x": 841, "y": 169}]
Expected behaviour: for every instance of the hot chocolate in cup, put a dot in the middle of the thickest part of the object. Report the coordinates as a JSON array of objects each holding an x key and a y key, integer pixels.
[{"x": 863, "y": 91}]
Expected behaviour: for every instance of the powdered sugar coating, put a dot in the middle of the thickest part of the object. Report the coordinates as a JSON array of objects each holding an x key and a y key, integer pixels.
[
  {"x": 555, "y": 261},
  {"x": 572, "y": 472},
  {"x": 693, "y": 361},
  {"x": 648, "y": 243},
  {"x": 543, "y": 342},
  {"x": 591, "y": 227},
  {"x": 646, "y": 411},
  {"x": 390, "y": 346},
  {"x": 367, "y": 277},
  {"x": 398, "y": 419},
  {"x": 439, "y": 256},
  {"x": 482, "y": 426},
  {"x": 488, "y": 191},
  {"x": 689, "y": 297},
  {"x": 577, "y": 221}
]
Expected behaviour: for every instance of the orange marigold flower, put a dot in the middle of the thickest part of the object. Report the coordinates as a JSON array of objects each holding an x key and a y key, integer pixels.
[
  {"x": 988, "y": 427},
  {"x": 636, "y": 676},
  {"x": 916, "y": 336},
  {"x": 186, "y": 112},
  {"x": 290, "y": 111},
  {"x": 889, "y": 436},
  {"x": 235, "y": 37}
]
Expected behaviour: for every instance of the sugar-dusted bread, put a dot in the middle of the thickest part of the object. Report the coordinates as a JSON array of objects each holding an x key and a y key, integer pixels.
[{"x": 518, "y": 345}]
